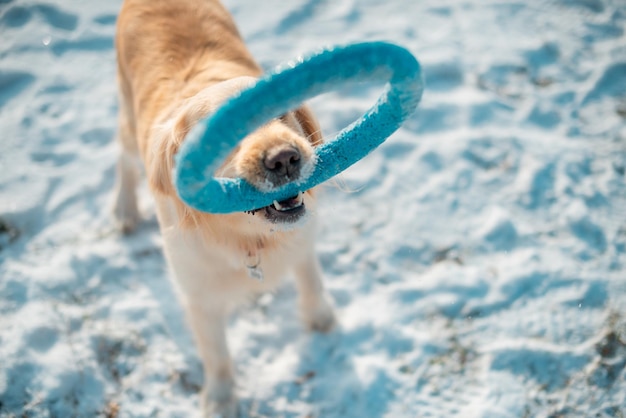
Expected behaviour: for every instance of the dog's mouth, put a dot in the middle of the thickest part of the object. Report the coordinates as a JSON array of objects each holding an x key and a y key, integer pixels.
[{"x": 289, "y": 210}]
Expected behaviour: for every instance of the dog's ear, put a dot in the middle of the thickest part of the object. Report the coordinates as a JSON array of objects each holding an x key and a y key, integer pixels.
[
  {"x": 309, "y": 124},
  {"x": 168, "y": 136},
  {"x": 160, "y": 160}
]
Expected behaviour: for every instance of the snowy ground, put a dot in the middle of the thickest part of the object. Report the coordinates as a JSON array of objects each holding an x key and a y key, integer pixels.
[{"x": 477, "y": 260}]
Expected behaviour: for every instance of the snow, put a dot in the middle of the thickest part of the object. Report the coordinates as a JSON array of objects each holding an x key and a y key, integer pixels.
[{"x": 477, "y": 259}]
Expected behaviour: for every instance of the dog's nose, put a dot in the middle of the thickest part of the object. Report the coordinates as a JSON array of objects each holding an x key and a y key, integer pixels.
[{"x": 282, "y": 161}]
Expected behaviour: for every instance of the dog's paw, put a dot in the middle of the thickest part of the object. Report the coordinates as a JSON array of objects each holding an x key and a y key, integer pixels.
[
  {"x": 126, "y": 215},
  {"x": 320, "y": 318},
  {"x": 219, "y": 402},
  {"x": 220, "y": 409},
  {"x": 213, "y": 409},
  {"x": 127, "y": 224}
]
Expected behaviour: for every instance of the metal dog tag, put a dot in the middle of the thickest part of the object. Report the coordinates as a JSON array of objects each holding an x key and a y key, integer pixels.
[
  {"x": 255, "y": 273},
  {"x": 253, "y": 260}
]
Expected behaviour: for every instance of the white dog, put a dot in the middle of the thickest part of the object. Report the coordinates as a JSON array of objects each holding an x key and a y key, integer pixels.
[{"x": 178, "y": 60}]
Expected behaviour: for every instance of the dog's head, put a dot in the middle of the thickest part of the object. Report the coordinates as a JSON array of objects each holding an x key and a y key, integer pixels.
[{"x": 280, "y": 152}]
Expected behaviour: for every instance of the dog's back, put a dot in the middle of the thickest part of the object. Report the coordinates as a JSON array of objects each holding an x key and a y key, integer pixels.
[
  {"x": 175, "y": 48},
  {"x": 177, "y": 61}
]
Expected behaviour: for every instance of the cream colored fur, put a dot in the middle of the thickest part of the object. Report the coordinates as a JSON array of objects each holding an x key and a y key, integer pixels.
[{"x": 178, "y": 60}]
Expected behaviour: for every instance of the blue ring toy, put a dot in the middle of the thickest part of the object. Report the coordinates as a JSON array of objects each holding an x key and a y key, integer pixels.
[{"x": 210, "y": 142}]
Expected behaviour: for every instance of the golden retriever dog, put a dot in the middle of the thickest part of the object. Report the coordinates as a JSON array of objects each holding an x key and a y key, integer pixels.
[{"x": 178, "y": 60}]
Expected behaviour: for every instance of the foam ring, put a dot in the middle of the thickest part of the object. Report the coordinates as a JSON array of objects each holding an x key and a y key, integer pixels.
[{"x": 211, "y": 141}]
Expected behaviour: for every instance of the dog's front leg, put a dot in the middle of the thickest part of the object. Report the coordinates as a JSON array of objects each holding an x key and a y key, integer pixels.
[
  {"x": 315, "y": 307},
  {"x": 125, "y": 210},
  {"x": 218, "y": 394},
  {"x": 196, "y": 271}
]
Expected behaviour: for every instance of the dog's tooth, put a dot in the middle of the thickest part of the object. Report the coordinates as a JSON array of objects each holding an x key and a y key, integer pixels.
[{"x": 278, "y": 205}]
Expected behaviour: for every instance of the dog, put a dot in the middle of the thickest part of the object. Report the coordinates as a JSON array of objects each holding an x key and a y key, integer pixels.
[{"x": 178, "y": 61}]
